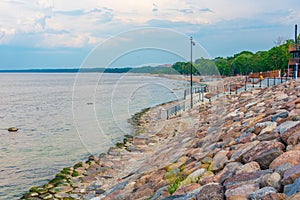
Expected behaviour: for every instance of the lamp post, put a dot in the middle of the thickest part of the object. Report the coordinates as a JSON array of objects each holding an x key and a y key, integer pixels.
[{"x": 192, "y": 44}]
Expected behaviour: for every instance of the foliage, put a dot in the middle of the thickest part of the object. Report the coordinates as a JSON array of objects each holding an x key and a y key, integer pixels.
[
  {"x": 175, "y": 184},
  {"x": 241, "y": 63}
]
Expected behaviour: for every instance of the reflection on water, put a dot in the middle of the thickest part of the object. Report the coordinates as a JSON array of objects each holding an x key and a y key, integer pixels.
[{"x": 42, "y": 107}]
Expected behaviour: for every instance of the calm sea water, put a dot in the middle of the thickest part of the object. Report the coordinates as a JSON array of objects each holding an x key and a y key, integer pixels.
[{"x": 62, "y": 118}]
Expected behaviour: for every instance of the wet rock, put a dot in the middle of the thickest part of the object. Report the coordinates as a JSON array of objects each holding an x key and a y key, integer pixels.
[
  {"x": 46, "y": 196},
  {"x": 264, "y": 153},
  {"x": 291, "y": 189},
  {"x": 241, "y": 192},
  {"x": 292, "y": 157},
  {"x": 261, "y": 193},
  {"x": 212, "y": 191},
  {"x": 12, "y": 129},
  {"x": 291, "y": 175},
  {"x": 249, "y": 167},
  {"x": 62, "y": 195},
  {"x": 39, "y": 190}
]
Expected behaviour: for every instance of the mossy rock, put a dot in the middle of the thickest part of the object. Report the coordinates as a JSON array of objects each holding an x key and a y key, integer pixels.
[
  {"x": 172, "y": 174},
  {"x": 120, "y": 145},
  {"x": 55, "y": 190},
  {"x": 57, "y": 180},
  {"x": 75, "y": 174},
  {"x": 66, "y": 171},
  {"x": 48, "y": 186},
  {"x": 77, "y": 165},
  {"x": 46, "y": 196},
  {"x": 39, "y": 190},
  {"x": 62, "y": 176},
  {"x": 88, "y": 162}
]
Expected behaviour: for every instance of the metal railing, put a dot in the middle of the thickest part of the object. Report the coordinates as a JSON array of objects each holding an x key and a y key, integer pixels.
[{"x": 207, "y": 93}]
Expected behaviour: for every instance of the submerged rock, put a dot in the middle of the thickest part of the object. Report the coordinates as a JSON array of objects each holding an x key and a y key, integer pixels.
[{"x": 12, "y": 129}]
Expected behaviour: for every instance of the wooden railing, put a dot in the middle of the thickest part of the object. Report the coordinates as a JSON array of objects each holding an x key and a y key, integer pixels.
[{"x": 270, "y": 74}]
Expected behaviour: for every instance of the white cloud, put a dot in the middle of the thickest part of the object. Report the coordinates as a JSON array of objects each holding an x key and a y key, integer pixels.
[{"x": 72, "y": 23}]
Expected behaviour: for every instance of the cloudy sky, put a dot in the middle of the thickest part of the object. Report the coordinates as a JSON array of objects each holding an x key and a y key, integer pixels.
[{"x": 61, "y": 33}]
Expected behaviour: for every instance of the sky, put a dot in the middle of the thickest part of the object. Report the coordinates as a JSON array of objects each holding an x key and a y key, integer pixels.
[{"x": 63, "y": 33}]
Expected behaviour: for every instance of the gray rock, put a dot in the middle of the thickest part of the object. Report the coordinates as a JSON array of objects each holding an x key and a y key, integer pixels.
[
  {"x": 282, "y": 128},
  {"x": 259, "y": 194},
  {"x": 267, "y": 126},
  {"x": 291, "y": 189},
  {"x": 119, "y": 186},
  {"x": 176, "y": 197},
  {"x": 159, "y": 194},
  {"x": 281, "y": 114},
  {"x": 272, "y": 180}
]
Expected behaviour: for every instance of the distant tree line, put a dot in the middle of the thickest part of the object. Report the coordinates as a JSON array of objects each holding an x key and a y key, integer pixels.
[{"x": 241, "y": 63}]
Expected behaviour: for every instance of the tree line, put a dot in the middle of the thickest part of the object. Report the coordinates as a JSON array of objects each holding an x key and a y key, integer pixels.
[{"x": 242, "y": 63}]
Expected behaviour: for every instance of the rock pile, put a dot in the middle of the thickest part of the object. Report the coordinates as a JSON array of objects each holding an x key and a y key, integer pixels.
[{"x": 244, "y": 146}]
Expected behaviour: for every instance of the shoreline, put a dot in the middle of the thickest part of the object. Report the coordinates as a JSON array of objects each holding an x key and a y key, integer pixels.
[
  {"x": 62, "y": 178},
  {"x": 246, "y": 146}
]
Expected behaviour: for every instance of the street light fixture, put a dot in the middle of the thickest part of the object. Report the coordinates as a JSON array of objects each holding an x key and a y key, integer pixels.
[{"x": 192, "y": 44}]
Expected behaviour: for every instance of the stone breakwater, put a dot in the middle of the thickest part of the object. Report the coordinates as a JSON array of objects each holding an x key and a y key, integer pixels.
[{"x": 244, "y": 146}]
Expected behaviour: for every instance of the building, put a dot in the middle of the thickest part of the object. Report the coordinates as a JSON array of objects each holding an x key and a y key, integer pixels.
[{"x": 294, "y": 50}]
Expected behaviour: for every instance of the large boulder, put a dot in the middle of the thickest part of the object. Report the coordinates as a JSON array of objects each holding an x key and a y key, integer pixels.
[
  {"x": 212, "y": 191},
  {"x": 261, "y": 193},
  {"x": 245, "y": 178},
  {"x": 291, "y": 175},
  {"x": 292, "y": 157},
  {"x": 219, "y": 160},
  {"x": 287, "y": 129},
  {"x": 264, "y": 153},
  {"x": 292, "y": 189},
  {"x": 241, "y": 192}
]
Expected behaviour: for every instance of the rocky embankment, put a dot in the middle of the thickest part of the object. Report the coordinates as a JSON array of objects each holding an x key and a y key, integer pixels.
[{"x": 244, "y": 146}]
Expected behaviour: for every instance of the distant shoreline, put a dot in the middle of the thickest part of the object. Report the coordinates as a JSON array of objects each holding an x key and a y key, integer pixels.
[{"x": 74, "y": 70}]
